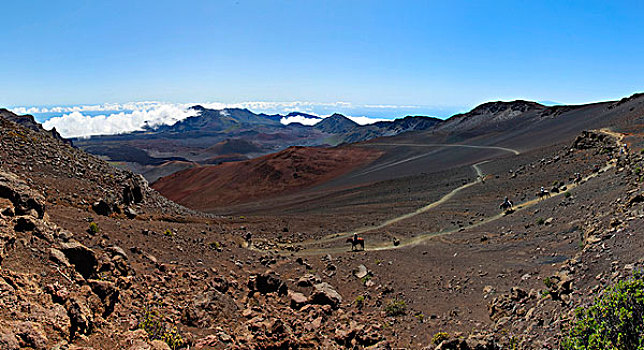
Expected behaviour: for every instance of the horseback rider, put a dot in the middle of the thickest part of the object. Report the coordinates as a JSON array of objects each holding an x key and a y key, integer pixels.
[
  {"x": 355, "y": 237},
  {"x": 542, "y": 190},
  {"x": 507, "y": 204}
]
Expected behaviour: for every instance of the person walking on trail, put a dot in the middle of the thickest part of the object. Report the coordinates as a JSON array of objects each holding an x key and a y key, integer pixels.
[{"x": 248, "y": 237}]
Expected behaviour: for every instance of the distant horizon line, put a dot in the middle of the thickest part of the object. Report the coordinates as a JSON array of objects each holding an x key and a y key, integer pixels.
[
  {"x": 115, "y": 118},
  {"x": 267, "y": 107}
]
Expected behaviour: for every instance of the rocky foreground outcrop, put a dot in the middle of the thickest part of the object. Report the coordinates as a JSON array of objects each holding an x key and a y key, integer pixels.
[{"x": 50, "y": 292}]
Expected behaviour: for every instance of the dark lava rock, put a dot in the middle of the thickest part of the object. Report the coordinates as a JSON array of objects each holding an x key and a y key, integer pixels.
[
  {"x": 81, "y": 257},
  {"x": 102, "y": 208},
  {"x": 268, "y": 282},
  {"x": 23, "y": 198}
]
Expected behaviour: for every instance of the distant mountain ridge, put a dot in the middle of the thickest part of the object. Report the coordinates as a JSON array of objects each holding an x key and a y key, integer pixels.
[
  {"x": 235, "y": 134},
  {"x": 242, "y": 134},
  {"x": 336, "y": 124}
]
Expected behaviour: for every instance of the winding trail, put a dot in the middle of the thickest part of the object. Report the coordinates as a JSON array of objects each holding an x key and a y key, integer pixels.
[
  {"x": 511, "y": 150},
  {"x": 429, "y": 235},
  {"x": 432, "y": 145}
]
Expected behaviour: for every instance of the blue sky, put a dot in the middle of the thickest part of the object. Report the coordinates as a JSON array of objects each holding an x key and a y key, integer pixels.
[{"x": 434, "y": 55}]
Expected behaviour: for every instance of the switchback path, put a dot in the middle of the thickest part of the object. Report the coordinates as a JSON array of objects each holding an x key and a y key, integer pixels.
[
  {"x": 429, "y": 235},
  {"x": 432, "y": 145}
]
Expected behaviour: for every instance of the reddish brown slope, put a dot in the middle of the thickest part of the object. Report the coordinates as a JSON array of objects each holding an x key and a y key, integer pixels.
[{"x": 208, "y": 187}]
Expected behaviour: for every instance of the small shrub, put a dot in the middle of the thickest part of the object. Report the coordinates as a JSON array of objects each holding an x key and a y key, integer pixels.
[
  {"x": 93, "y": 228},
  {"x": 614, "y": 321},
  {"x": 567, "y": 194},
  {"x": 173, "y": 338},
  {"x": 548, "y": 282},
  {"x": 545, "y": 293},
  {"x": 366, "y": 278},
  {"x": 420, "y": 317},
  {"x": 360, "y": 301},
  {"x": 396, "y": 308},
  {"x": 152, "y": 323},
  {"x": 637, "y": 170},
  {"x": 168, "y": 233},
  {"x": 540, "y": 221},
  {"x": 440, "y": 337}
]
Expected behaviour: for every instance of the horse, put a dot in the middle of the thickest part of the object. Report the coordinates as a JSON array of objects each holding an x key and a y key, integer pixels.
[
  {"x": 543, "y": 194},
  {"x": 507, "y": 207},
  {"x": 354, "y": 243}
]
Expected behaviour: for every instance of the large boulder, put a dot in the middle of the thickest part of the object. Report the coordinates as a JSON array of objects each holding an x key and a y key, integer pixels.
[
  {"x": 8, "y": 340},
  {"x": 108, "y": 292},
  {"x": 25, "y": 200},
  {"x": 324, "y": 294},
  {"x": 134, "y": 191},
  {"x": 83, "y": 258},
  {"x": 101, "y": 207},
  {"x": 298, "y": 300},
  {"x": 206, "y": 308},
  {"x": 268, "y": 282},
  {"x": 80, "y": 317}
]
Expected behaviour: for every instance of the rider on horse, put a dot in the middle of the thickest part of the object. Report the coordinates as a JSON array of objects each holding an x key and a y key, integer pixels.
[
  {"x": 507, "y": 204},
  {"x": 355, "y": 241}
]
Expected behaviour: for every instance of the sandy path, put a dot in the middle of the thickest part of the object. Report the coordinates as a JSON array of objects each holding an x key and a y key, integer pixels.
[{"x": 429, "y": 235}]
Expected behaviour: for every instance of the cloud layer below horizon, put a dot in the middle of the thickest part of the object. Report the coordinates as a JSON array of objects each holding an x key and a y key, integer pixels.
[{"x": 115, "y": 118}]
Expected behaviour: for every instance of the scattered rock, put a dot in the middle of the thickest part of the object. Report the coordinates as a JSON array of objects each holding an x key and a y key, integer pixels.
[
  {"x": 130, "y": 213},
  {"x": 361, "y": 271},
  {"x": 268, "y": 282},
  {"x": 81, "y": 257},
  {"x": 58, "y": 257},
  {"x": 325, "y": 295},
  {"x": 102, "y": 208},
  {"x": 297, "y": 299},
  {"x": 24, "y": 199},
  {"x": 206, "y": 308}
]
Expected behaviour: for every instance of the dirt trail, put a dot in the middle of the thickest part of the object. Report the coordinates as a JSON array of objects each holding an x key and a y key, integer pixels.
[
  {"x": 511, "y": 150},
  {"x": 388, "y": 165},
  {"x": 426, "y": 236},
  {"x": 445, "y": 198}
]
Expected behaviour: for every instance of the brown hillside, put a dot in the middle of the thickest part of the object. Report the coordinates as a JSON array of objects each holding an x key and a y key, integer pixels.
[{"x": 237, "y": 182}]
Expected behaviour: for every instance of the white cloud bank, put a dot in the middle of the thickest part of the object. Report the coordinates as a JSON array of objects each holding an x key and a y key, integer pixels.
[
  {"x": 88, "y": 120},
  {"x": 77, "y": 124}
]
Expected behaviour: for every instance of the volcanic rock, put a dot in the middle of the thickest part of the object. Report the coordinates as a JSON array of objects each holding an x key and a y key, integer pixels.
[
  {"x": 24, "y": 199},
  {"x": 325, "y": 294},
  {"x": 297, "y": 299},
  {"x": 102, "y": 208},
  {"x": 268, "y": 282},
  {"x": 207, "y": 307},
  {"x": 81, "y": 257}
]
